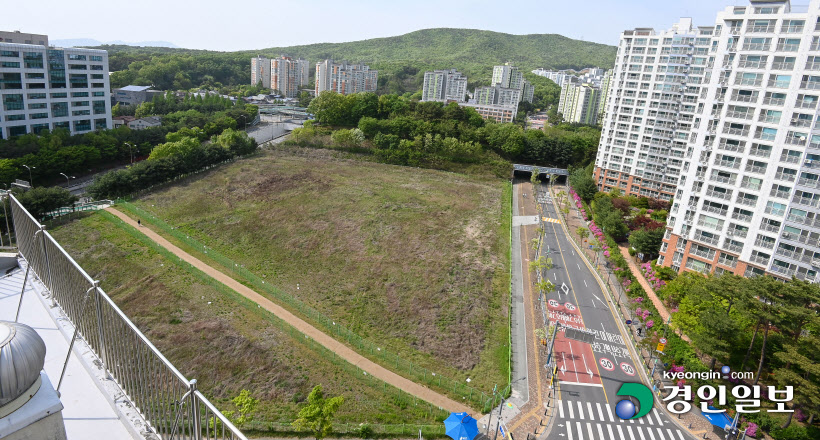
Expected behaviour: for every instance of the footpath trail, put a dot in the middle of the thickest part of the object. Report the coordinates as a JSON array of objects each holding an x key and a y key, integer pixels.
[{"x": 328, "y": 342}]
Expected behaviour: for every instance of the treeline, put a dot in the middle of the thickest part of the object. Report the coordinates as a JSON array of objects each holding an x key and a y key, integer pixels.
[
  {"x": 183, "y": 153},
  {"x": 51, "y": 153},
  {"x": 404, "y": 131}
]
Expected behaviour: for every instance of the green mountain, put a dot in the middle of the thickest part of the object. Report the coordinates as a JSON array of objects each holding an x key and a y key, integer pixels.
[{"x": 401, "y": 60}]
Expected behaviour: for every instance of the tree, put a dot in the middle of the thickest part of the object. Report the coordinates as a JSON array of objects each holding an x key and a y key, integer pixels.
[
  {"x": 647, "y": 241},
  {"x": 41, "y": 200},
  {"x": 304, "y": 99},
  {"x": 246, "y": 406},
  {"x": 317, "y": 416},
  {"x": 583, "y": 184}
]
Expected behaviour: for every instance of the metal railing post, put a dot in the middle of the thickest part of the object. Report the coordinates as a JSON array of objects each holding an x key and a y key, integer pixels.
[
  {"x": 25, "y": 279},
  {"x": 197, "y": 419},
  {"x": 73, "y": 338},
  {"x": 50, "y": 285},
  {"x": 100, "y": 326}
]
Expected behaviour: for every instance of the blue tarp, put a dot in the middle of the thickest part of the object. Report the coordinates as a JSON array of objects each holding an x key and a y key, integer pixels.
[
  {"x": 718, "y": 419},
  {"x": 460, "y": 426}
]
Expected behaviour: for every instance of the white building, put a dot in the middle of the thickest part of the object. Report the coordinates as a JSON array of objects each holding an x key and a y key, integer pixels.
[
  {"x": 444, "y": 85},
  {"x": 580, "y": 103},
  {"x": 730, "y": 123},
  {"x": 345, "y": 78},
  {"x": 510, "y": 77},
  {"x": 260, "y": 71},
  {"x": 497, "y": 95},
  {"x": 288, "y": 74},
  {"x": 43, "y": 88}
]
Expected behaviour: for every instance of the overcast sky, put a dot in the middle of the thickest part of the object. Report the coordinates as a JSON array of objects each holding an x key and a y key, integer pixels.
[{"x": 256, "y": 24}]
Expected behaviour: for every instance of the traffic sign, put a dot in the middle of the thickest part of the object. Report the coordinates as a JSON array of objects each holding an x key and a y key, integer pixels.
[
  {"x": 628, "y": 322},
  {"x": 607, "y": 364},
  {"x": 569, "y": 306},
  {"x": 626, "y": 368},
  {"x": 663, "y": 340},
  {"x": 661, "y": 347}
]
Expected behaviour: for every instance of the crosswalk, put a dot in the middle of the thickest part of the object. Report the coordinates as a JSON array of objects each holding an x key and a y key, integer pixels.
[
  {"x": 593, "y": 421},
  {"x": 551, "y": 220}
]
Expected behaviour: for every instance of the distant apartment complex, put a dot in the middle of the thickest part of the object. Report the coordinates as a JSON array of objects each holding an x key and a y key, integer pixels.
[
  {"x": 345, "y": 78},
  {"x": 590, "y": 75},
  {"x": 43, "y": 88},
  {"x": 508, "y": 76},
  {"x": 723, "y": 119},
  {"x": 284, "y": 74},
  {"x": 580, "y": 103},
  {"x": 497, "y": 95},
  {"x": 444, "y": 85}
]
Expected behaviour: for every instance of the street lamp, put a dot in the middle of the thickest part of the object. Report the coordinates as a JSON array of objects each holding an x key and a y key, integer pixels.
[
  {"x": 31, "y": 179},
  {"x": 131, "y": 150},
  {"x": 67, "y": 181}
]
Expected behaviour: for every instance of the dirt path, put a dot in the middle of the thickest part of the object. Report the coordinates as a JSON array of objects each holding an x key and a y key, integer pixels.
[{"x": 331, "y": 344}]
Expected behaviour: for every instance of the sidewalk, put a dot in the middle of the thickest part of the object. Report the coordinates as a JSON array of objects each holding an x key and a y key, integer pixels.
[
  {"x": 330, "y": 343},
  {"x": 645, "y": 284}
]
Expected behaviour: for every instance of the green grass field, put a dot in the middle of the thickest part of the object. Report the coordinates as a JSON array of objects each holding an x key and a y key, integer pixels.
[
  {"x": 414, "y": 260},
  {"x": 225, "y": 342}
]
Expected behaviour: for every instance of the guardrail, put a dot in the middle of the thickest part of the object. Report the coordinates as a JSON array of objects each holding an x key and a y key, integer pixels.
[
  {"x": 168, "y": 401},
  {"x": 93, "y": 206}
]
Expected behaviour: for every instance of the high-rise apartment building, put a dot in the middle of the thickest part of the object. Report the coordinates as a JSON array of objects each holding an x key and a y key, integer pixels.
[
  {"x": 497, "y": 95},
  {"x": 606, "y": 82},
  {"x": 444, "y": 85},
  {"x": 345, "y": 78},
  {"x": 287, "y": 75},
  {"x": 580, "y": 103},
  {"x": 43, "y": 88},
  {"x": 260, "y": 71},
  {"x": 732, "y": 137},
  {"x": 508, "y": 76}
]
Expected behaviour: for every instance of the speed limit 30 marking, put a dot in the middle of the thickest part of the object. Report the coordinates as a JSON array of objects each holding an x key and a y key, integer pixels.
[
  {"x": 569, "y": 306},
  {"x": 607, "y": 364},
  {"x": 626, "y": 368},
  {"x": 553, "y": 303}
]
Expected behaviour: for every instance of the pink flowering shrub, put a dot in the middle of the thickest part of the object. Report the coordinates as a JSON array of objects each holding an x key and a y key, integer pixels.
[
  {"x": 651, "y": 276},
  {"x": 650, "y": 324},
  {"x": 751, "y": 430}
]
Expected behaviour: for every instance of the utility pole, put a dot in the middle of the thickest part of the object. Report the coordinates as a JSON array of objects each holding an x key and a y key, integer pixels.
[
  {"x": 500, "y": 407},
  {"x": 490, "y": 421}
]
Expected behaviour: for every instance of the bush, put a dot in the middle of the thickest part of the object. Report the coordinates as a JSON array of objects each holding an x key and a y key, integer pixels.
[
  {"x": 793, "y": 432},
  {"x": 39, "y": 201}
]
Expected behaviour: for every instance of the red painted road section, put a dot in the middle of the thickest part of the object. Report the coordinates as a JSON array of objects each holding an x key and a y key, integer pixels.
[{"x": 575, "y": 359}]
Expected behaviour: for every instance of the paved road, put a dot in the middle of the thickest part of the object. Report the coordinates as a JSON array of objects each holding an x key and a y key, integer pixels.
[
  {"x": 590, "y": 375},
  {"x": 317, "y": 335}
]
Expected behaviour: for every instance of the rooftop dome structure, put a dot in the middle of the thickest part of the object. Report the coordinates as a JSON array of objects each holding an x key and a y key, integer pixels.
[{"x": 22, "y": 355}]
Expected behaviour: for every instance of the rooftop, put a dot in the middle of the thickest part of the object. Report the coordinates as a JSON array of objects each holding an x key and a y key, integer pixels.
[{"x": 135, "y": 88}]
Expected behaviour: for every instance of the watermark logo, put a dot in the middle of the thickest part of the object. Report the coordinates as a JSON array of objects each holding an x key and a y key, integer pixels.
[{"x": 625, "y": 409}]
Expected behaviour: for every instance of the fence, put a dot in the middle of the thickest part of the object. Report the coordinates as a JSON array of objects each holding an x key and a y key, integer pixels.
[
  {"x": 83, "y": 207},
  {"x": 167, "y": 400},
  {"x": 466, "y": 394}
]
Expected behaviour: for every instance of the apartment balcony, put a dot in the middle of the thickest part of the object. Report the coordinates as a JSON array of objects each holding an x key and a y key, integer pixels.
[
  {"x": 759, "y": 259},
  {"x": 719, "y": 195},
  {"x": 785, "y": 177},
  {"x": 799, "y": 238},
  {"x": 722, "y": 179},
  {"x": 734, "y": 30},
  {"x": 800, "y": 122},
  {"x": 792, "y": 29},
  {"x": 779, "y": 84},
  {"x": 774, "y": 101},
  {"x": 748, "y": 184},
  {"x": 731, "y": 147},
  {"x": 769, "y": 119},
  {"x": 809, "y": 183},
  {"x": 796, "y": 140},
  {"x": 740, "y": 115},
  {"x": 750, "y": 82},
  {"x": 715, "y": 210},
  {"x": 782, "y": 47},
  {"x": 704, "y": 239},
  {"x": 806, "y": 104},
  {"x": 768, "y": 227},
  {"x": 736, "y": 131},
  {"x": 794, "y": 255},
  {"x": 737, "y": 233},
  {"x": 749, "y": 65},
  {"x": 727, "y": 262},
  {"x": 812, "y": 66},
  {"x": 742, "y": 217},
  {"x": 746, "y": 201},
  {"x": 814, "y": 145},
  {"x": 806, "y": 221},
  {"x": 734, "y": 164},
  {"x": 709, "y": 255},
  {"x": 732, "y": 247},
  {"x": 756, "y": 169},
  {"x": 810, "y": 85},
  {"x": 760, "y": 29},
  {"x": 780, "y": 194},
  {"x": 806, "y": 201},
  {"x": 790, "y": 159},
  {"x": 765, "y": 136},
  {"x": 814, "y": 46},
  {"x": 756, "y": 46}
]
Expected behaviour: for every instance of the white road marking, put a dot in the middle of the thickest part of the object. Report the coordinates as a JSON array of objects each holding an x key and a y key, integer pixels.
[
  {"x": 609, "y": 430},
  {"x": 649, "y": 431},
  {"x": 655, "y": 410},
  {"x": 561, "y": 408},
  {"x": 580, "y": 411},
  {"x": 680, "y": 435},
  {"x": 572, "y": 355},
  {"x": 640, "y": 420},
  {"x": 589, "y": 430},
  {"x": 648, "y": 418},
  {"x": 580, "y": 432},
  {"x": 571, "y": 412},
  {"x": 585, "y": 365},
  {"x": 581, "y": 384},
  {"x": 609, "y": 413},
  {"x": 600, "y": 431},
  {"x": 579, "y": 266},
  {"x": 569, "y": 431},
  {"x": 554, "y": 276},
  {"x": 660, "y": 434},
  {"x": 629, "y": 430},
  {"x": 600, "y": 413},
  {"x": 671, "y": 437},
  {"x": 585, "y": 284},
  {"x": 620, "y": 432},
  {"x": 589, "y": 411}
]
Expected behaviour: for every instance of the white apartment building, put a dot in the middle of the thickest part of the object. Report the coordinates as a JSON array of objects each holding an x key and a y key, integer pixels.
[
  {"x": 734, "y": 142},
  {"x": 43, "y": 88},
  {"x": 559, "y": 77},
  {"x": 287, "y": 75},
  {"x": 260, "y": 71},
  {"x": 510, "y": 77},
  {"x": 345, "y": 78},
  {"x": 580, "y": 103},
  {"x": 444, "y": 85},
  {"x": 497, "y": 95}
]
